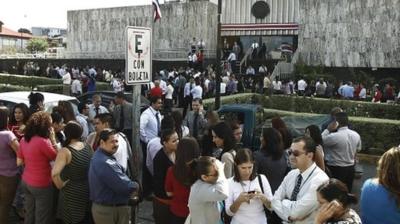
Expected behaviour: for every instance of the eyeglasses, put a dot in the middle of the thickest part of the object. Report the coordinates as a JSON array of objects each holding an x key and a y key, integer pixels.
[
  {"x": 295, "y": 153},
  {"x": 213, "y": 175}
]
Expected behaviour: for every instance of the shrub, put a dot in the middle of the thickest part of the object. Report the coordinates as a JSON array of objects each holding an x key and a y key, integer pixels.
[
  {"x": 377, "y": 135},
  {"x": 324, "y": 106},
  {"x": 29, "y": 81}
]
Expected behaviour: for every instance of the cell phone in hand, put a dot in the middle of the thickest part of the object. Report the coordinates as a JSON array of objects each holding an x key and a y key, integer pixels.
[{"x": 251, "y": 192}]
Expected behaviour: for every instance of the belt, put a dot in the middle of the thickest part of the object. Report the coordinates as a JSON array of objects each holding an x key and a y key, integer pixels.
[{"x": 111, "y": 204}]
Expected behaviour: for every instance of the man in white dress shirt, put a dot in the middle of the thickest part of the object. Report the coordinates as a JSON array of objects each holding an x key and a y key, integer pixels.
[
  {"x": 301, "y": 87},
  {"x": 295, "y": 201},
  {"x": 95, "y": 109},
  {"x": 150, "y": 127},
  {"x": 197, "y": 91}
]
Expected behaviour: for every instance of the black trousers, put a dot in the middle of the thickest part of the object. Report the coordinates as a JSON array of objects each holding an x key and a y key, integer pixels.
[
  {"x": 147, "y": 179},
  {"x": 344, "y": 174}
]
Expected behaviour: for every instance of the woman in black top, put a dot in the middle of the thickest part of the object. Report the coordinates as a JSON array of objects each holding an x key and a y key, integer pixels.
[{"x": 161, "y": 162}]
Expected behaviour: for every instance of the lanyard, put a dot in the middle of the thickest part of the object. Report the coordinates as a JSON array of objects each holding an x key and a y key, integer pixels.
[{"x": 308, "y": 177}]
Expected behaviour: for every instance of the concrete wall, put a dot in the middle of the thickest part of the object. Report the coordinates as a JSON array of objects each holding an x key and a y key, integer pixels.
[
  {"x": 350, "y": 33},
  {"x": 99, "y": 33}
]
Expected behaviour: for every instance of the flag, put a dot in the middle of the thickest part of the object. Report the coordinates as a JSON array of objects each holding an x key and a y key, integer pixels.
[{"x": 157, "y": 11}]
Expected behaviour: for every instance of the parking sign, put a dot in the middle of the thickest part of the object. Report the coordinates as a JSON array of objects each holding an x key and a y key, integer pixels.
[{"x": 138, "y": 57}]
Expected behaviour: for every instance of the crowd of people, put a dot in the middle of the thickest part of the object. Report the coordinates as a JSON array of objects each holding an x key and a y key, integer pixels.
[
  {"x": 79, "y": 167},
  {"x": 326, "y": 89}
]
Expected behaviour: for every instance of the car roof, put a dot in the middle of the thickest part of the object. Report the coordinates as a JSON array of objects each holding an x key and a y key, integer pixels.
[{"x": 22, "y": 97}]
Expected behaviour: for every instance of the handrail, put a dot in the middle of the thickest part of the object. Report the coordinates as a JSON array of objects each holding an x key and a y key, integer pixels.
[{"x": 244, "y": 59}]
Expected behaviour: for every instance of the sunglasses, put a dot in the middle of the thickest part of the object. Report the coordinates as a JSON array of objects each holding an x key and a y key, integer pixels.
[
  {"x": 295, "y": 153},
  {"x": 213, "y": 175}
]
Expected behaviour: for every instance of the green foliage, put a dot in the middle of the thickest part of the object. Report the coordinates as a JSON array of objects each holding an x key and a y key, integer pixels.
[
  {"x": 37, "y": 45},
  {"x": 324, "y": 106},
  {"x": 30, "y": 81},
  {"x": 26, "y": 83},
  {"x": 377, "y": 135}
]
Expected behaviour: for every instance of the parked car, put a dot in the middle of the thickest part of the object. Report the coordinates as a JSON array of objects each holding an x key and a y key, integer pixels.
[
  {"x": 107, "y": 99},
  {"x": 250, "y": 117},
  {"x": 9, "y": 99}
]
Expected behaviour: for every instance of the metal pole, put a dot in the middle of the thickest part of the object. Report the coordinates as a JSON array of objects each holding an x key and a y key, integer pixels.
[{"x": 218, "y": 60}]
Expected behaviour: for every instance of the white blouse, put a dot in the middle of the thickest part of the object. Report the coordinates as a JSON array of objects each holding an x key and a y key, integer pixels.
[{"x": 254, "y": 210}]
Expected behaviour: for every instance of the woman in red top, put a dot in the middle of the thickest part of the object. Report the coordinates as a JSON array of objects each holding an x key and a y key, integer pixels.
[
  {"x": 18, "y": 118},
  {"x": 36, "y": 151},
  {"x": 180, "y": 177}
]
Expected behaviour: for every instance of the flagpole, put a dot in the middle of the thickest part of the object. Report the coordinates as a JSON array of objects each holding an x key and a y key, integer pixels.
[{"x": 218, "y": 60}]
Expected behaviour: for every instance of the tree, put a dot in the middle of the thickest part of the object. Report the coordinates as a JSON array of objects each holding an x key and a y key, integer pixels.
[
  {"x": 37, "y": 45},
  {"x": 24, "y": 30}
]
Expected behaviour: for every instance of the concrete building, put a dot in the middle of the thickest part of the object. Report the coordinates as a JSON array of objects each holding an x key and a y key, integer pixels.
[
  {"x": 12, "y": 41},
  {"x": 99, "y": 33},
  {"x": 48, "y": 31},
  {"x": 350, "y": 33},
  {"x": 332, "y": 33}
]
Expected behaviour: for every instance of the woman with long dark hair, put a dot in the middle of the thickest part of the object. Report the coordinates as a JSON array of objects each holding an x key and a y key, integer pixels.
[
  {"x": 164, "y": 159},
  {"x": 36, "y": 102},
  {"x": 207, "y": 145},
  {"x": 335, "y": 200},
  {"x": 223, "y": 138},
  {"x": 181, "y": 130},
  {"x": 18, "y": 118},
  {"x": 280, "y": 125},
  {"x": 248, "y": 192},
  {"x": 180, "y": 177},
  {"x": 66, "y": 110},
  {"x": 270, "y": 159},
  {"x": 314, "y": 132},
  {"x": 70, "y": 175},
  {"x": 37, "y": 150},
  {"x": 8, "y": 167}
]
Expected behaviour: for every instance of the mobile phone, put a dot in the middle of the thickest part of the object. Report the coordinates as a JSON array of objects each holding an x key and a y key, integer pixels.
[{"x": 251, "y": 192}]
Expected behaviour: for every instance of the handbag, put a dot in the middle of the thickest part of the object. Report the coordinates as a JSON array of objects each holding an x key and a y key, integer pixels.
[
  {"x": 272, "y": 217},
  {"x": 188, "y": 220}
]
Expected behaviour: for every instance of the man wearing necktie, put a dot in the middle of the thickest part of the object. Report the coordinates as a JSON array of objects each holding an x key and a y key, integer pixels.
[
  {"x": 195, "y": 120},
  {"x": 123, "y": 115},
  {"x": 95, "y": 109},
  {"x": 295, "y": 200},
  {"x": 150, "y": 127}
]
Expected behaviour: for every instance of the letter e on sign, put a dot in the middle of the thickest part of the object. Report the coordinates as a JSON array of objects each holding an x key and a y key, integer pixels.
[{"x": 138, "y": 56}]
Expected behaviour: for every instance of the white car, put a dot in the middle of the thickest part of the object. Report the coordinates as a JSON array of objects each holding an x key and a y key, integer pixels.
[{"x": 9, "y": 99}]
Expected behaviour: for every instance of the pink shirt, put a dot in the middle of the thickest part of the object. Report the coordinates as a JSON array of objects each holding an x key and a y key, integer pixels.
[{"x": 37, "y": 154}]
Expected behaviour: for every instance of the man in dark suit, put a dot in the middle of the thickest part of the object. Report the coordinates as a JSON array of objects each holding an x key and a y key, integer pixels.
[
  {"x": 122, "y": 115},
  {"x": 195, "y": 120}
]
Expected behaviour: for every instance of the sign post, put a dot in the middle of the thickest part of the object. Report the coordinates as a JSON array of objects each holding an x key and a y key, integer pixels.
[{"x": 138, "y": 64}]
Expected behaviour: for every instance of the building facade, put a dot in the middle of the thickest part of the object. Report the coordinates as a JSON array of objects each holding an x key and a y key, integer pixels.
[
  {"x": 100, "y": 33},
  {"x": 48, "y": 31},
  {"x": 350, "y": 33},
  {"x": 12, "y": 41}
]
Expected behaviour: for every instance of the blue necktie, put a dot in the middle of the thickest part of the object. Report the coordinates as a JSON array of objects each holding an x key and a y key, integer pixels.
[
  {"x": 158, "y": 125},
  {"x": 296, "y": 188}
]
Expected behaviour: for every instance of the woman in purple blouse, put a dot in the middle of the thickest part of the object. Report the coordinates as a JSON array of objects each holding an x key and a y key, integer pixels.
[{"x": 8, "y": 166}]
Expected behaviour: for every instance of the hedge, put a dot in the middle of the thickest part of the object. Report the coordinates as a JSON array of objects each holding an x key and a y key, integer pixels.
[
  {"x": 48, "y": 88},
  {"x": 324, "y": 106},
  {"x": 27, "y": 80},
  {"x": 237, "y": 98},
  {"x": 377, "y": 135},
  {"x": 24, "y": 83}
]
